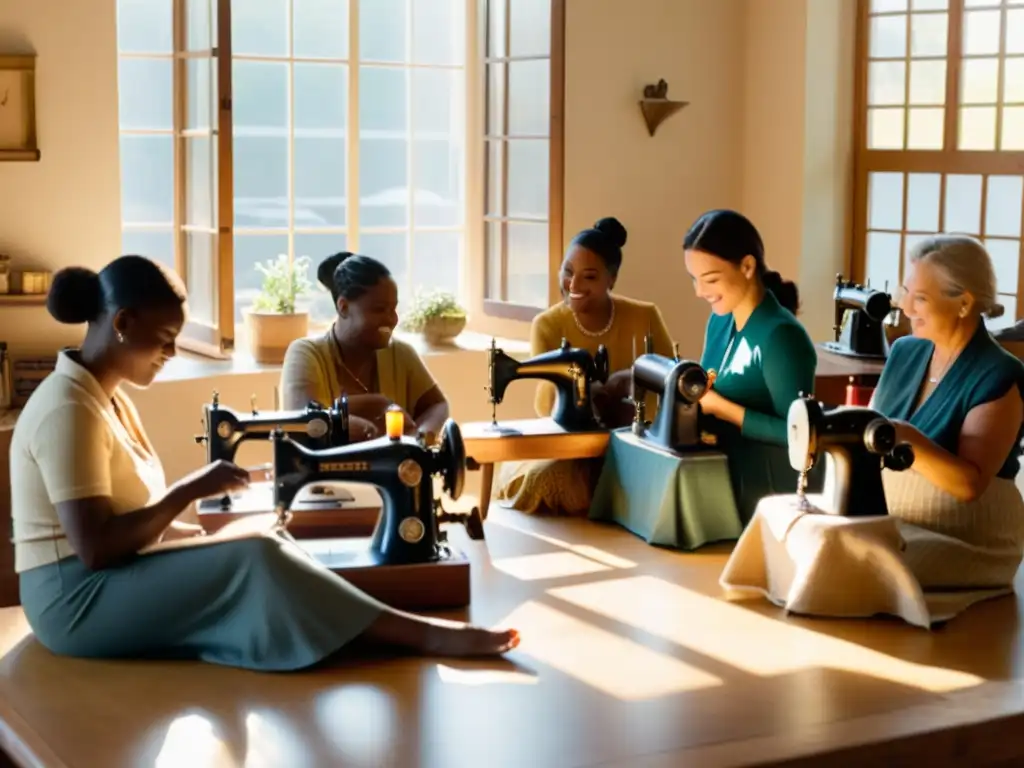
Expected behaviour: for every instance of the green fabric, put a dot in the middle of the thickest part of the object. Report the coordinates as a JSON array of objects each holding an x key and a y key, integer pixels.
[
  {"x": 259, "y": 603},
  {"x": 763, "y": 367},
  {"x": 982, "y": 373},
  {"x": 674, "y": 500}
]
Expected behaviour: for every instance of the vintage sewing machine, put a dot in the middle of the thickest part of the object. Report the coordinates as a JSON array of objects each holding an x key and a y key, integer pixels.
[
  {"x": 315, "y": 427},
  {"x": 679, "y": 384},
  {"x": 407, "y": 535},
  {"x": 860, "y": 315},
  {"x": 857, "y": 443},
  {"x": 572, "y": 370}
]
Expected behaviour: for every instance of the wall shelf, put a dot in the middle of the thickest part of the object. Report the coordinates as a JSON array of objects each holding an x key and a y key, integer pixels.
[{"x": 22, "y": 299}]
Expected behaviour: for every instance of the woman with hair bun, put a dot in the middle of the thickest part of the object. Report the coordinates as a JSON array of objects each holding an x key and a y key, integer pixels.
[
  {"x": 760, "y": 355},
  {"x": 360, "y": 357},
  {"x": 589, "y": 316},
  {"x": 88, "y": 493}
]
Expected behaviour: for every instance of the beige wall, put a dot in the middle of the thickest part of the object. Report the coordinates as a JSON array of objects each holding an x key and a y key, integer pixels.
[{"x": 767, "y": 130}]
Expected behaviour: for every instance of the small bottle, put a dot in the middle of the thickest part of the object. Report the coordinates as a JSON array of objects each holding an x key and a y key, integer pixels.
[
  {"x": 6, "y": 381},
  {"x": 5, "y": 274}
]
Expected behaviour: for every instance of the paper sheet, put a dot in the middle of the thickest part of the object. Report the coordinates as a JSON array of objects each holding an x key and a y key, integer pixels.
[{"x": 248, "y": 527}]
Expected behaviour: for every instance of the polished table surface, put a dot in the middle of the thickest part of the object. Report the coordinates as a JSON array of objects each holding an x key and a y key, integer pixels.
[{"x": 630, "y": 657}]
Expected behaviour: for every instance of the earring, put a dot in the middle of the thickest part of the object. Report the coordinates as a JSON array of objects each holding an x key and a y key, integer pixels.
[
  {"x": 120, "y": 337},
  {"x": 963, "y": 311}
]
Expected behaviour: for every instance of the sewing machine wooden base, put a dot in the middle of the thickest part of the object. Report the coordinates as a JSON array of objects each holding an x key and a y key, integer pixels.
[{"x": 422, "y": 586}]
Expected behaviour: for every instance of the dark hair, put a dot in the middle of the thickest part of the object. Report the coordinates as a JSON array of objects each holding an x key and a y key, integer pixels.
[
  {"x": 731, "y": 236},
  {"x": 349, "y": 275},
  {"x": 606, "y": 239},
  {"x": 79, "y": 295}
]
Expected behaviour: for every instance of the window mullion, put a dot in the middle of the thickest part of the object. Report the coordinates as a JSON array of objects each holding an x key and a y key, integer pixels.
[
  {"x": 352, "y": 132},
  {"x": 954, "y": 65},
  {"x": 410, "y": 127},
  {"x": 180, "y": 97},
  {"x": 290, "y": 123}
]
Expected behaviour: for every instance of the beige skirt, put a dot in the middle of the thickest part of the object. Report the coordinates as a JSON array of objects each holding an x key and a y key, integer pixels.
[{"x": 549, "y": 487}]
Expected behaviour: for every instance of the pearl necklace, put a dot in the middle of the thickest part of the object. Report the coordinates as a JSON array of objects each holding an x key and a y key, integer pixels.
[{"x": 595, "y": 334}]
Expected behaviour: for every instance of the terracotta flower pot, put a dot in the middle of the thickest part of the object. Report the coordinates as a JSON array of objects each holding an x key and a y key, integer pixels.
[
  {"x": 270, "y": 334},
  {"x": 441, "y": 331}
]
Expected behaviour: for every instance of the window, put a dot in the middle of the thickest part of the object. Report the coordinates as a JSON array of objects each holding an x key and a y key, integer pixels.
[
  {"x": 304, "y": 127},
  {"x": 941, "y": 135}
]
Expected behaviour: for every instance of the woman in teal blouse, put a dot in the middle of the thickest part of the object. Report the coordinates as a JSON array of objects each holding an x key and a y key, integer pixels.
[
  {"x": 956, "y": 395},
  {"x": 760, "y": 355}
]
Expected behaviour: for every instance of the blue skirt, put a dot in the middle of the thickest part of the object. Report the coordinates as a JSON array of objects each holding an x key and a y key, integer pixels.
[{"x": 260, "y": 604}]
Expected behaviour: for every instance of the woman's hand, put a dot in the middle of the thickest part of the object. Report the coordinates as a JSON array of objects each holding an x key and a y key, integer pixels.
[
  {"x": 907, "y": 433},
  {"x": 181, "y": 530},
  {"x": 711, "y": 403},
  {"x": 215, "y": 479},
  {"x": 617, "y": 386},
  {"x": 723, "y": 409}
]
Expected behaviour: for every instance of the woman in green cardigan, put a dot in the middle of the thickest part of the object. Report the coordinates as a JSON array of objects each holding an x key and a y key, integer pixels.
[{"x": 760, "y": 356}]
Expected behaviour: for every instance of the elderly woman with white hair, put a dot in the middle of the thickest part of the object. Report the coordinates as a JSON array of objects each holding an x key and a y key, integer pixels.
[{"x": 955, "y": 530}]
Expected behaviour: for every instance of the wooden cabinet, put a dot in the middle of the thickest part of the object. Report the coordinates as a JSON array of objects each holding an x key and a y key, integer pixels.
[{"x": 8, "y": 578}]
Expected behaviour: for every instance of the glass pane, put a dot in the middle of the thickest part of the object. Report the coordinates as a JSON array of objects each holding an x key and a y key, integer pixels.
[
  {"x": 496, "y": 11},
  {"x": 928, "y": 34},
  {"x": 1015, "y": 31},
  {"x": 147, "y": 179},
  {"x": 929, "y": 5},
  {"x": 201, "y": 282},
  {"x": 529, "y": 98},
  {"x": 438, "y": 31},
  {"x": 145, "y": 94},
  {"x": 439, "y": 149},
  {"x": 251, "y": 250},
  {"x": 923, "y": 192},
  {"x": 199, "y": 25},
  {"x": 1013, "y": 80},
  {"x": 886, "y": 83},
  {"x": 145, "y": 26},
  {"x": 885, "y": 128},
  {"x": 1009, "y": 316},
  {"x": 528, "y": 173},
  {"x": 883, "y": 260},
  {"x": 926, "y": 129},
  {"x": 319, "y": 161},
  {"x": 492, "y": 245},
  {"x": 928, "y": 82},
  {"x": 1003, "y": 205},
  {"x": 528, "y": 264},
  {"x": 963, "y": 204},
  {"x": 382, "y": 25},
  {"x": 200, "y": 193},
  {"x": 909, "y": 243},
  {"x": 318, "y": 247},
  {"x": 885, "y": 201},
  {"x": 981, "y": 32},
  {"x": 261, "y": 181},
  {"x": 320, "y": 28},
  {"x": 436, "y": 261},
  {"x": 383, "y": 148},
  {"x": 200, "y": 87},
  {"x": 156, "y": 245},
  {"x": 979, "y": 81},
  {"x": 392, "y": 249},
  {"x": 259, "y": 28},
  {"x": 978, "y": 128},
  {"x": 884, "y": 6},
  {"x": 260, "y": 97},
  {"x": 889, "y": 37},
  {"x": 1005, "y": 262},
  {"x": 1013, "y": 129},
  {"x": 493, "y": 205},
  {"x": 496, "y": 99},
  {"x": 530, "y": 28}
]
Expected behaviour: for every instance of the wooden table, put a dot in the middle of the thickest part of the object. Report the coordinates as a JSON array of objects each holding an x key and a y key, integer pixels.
[
  {"x": 630, "y": 657},
  {"x": 834, "y": 372},
  {"x": 523, "y": 440}
]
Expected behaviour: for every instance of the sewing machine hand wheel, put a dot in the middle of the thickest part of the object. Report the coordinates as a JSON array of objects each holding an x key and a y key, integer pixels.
[
  {"x": 901, "y": 458},
  {"x": 601, "y": 369},
  {"x": 694, "y": 383},
  {"x": 451, "y": 459}
]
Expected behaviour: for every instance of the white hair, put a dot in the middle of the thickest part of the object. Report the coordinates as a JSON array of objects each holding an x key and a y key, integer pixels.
[{"x": 965, "y": 266}]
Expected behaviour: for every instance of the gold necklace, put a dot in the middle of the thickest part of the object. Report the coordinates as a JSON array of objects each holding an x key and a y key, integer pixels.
[
  {"x": 341, "y": 359},
  {"x": 595, "y": 334}
]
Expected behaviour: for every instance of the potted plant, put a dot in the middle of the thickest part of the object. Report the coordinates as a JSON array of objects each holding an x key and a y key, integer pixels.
[
  {"x": 272, "y": 323},
  {"x": 437, "y": 316}
]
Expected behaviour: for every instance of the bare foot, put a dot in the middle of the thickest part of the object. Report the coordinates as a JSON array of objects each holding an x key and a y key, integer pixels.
[{"x": 468, "y": 640}]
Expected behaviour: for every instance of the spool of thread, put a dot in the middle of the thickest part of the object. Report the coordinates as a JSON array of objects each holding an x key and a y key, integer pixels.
[
  {"x": 394, "y": 422},
  {"x": 856, "y": 395}
]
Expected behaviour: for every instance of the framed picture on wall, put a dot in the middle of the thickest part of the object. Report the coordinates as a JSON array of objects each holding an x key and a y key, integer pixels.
[{"x": 18, "y": 108}]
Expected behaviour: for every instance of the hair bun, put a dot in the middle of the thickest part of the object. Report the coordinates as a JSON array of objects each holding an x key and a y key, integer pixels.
[
  {"x": 76, "y": 296},
  {"x": 996, "y": 310},
  {"x": 612, "y": 228},
  {"x": 325, "y": 272}
]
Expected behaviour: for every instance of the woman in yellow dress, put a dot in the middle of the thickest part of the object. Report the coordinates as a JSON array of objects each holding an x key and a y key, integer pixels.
[
  {"x": 589, "y": 316},
  {"x": 360, "y": 357}
]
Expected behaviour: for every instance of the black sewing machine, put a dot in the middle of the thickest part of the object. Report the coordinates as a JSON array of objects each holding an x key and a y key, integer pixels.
[
  {"x": 315, "y": 427},
  {"x": 572, "y": 370},
  {"x": 407, "y": 533},
  {"x": 860, "y": 314},
  {"x": 679, "y": 384},
  {"x": 857, "y": 443}
]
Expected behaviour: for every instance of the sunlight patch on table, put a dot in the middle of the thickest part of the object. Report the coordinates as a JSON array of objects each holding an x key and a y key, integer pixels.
[
  {"x": 474, "y": 677},
  {"x": 193, "y": 741},
  {"x": 613, "y": 665},
  {"x": 550, "y": 565},
  {"x": 359, "y": 722},
  {"x": 594, "y": 553},
  {"x": 272, "y": 741},
  {"x": 723, "y": 631}
]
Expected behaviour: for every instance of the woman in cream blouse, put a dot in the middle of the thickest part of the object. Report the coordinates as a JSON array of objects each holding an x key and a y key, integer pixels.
[{"x": 359, "y": 356}]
